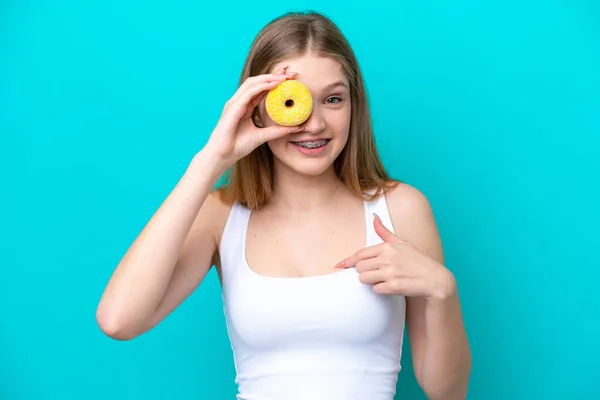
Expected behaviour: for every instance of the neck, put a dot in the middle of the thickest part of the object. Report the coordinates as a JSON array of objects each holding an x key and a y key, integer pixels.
[{"x": 302, "y": 193}]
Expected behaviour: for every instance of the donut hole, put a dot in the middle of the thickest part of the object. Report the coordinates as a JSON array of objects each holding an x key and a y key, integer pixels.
[{"x": 289, "y": 103}]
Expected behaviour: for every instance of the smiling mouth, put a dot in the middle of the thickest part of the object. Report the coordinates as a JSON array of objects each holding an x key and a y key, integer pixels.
[{"x": 312, "y": 145}]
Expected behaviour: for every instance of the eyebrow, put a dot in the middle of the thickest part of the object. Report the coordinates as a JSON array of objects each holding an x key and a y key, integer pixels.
[{"x": 335, "y": 85}]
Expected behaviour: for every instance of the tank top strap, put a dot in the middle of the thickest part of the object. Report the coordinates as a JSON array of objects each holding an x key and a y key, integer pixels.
[
  {"x": 377, "y": 206},
  {"x": 233, "y": 240}
]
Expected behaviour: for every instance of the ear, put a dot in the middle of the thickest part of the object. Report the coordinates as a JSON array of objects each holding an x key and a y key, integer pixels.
[{"x": 256, "y": 118}]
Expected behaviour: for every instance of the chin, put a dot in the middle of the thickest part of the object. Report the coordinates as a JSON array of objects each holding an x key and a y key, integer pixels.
[{"x": 310, "y": 168}]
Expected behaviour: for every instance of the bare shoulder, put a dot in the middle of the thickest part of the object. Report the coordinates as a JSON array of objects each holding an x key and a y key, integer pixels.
[
  {"x": 217, "y": 211},
  {"x": 413, "y": 219},
  {"x": 408, "y": 207}
]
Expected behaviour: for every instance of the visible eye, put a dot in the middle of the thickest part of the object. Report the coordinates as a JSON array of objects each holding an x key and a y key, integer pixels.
[{"x": 333, "y": 100}]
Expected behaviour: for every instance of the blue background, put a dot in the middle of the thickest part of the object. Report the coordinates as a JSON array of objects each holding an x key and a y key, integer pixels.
[{"x": 492, "y": 109}]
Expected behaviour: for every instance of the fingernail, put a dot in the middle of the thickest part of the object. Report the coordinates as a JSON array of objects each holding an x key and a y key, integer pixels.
[
  {"x": 340, "y": 264},
  {"x": 377, "y": 218},
  {"x": 291, "y": 73}
]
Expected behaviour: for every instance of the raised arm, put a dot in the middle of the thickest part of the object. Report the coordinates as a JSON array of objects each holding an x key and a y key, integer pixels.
[
  {"x": 169, "y": 258},
  {"x": 175, "y": 250}
]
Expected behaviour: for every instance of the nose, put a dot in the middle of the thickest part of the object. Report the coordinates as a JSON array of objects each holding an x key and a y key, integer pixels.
[{"x": 315, "y": 123}]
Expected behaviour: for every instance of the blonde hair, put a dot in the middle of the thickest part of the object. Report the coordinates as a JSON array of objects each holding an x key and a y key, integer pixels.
[{"x": 249, "y": 180}]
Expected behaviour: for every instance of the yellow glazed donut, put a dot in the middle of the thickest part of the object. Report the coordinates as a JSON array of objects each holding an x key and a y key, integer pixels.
[{"x": 289, "y": 103}]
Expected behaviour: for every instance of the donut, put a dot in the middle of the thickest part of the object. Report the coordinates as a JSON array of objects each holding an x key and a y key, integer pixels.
[{"x": 289, "y": 103}]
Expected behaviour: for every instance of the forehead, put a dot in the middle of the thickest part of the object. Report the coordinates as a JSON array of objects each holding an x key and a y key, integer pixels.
[{"x": 314, "y": 71}]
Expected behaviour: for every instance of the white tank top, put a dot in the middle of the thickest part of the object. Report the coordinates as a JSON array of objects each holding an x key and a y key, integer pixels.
[{"x": 321, "y": 337}]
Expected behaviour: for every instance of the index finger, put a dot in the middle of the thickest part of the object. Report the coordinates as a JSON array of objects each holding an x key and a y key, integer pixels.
[
  {"x": 362, "y": 254},
  {"x": 261, "y": 79}
]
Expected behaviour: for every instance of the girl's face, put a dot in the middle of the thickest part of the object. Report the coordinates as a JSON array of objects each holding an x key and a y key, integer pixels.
[{"x": 328, "y": 124}]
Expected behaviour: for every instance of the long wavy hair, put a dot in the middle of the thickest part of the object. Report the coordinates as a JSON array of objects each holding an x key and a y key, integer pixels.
[{"x": 250, "y": 180}]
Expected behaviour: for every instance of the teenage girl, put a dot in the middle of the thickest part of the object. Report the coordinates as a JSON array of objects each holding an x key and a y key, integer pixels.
[{"x": 322, "y": 257}]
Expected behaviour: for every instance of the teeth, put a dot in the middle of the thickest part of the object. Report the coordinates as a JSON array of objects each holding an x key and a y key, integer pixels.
[{"x": 312, "y": 145}]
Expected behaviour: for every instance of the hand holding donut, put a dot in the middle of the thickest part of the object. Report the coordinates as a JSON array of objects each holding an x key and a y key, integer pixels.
[{"x": 236, "y": 135}]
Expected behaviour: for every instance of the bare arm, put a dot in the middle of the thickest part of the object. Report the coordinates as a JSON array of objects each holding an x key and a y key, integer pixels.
[
  {"x": 169, "y": 258},
  {"x": 439, "y": 345},
  {"x": 175, "y": 250}
]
